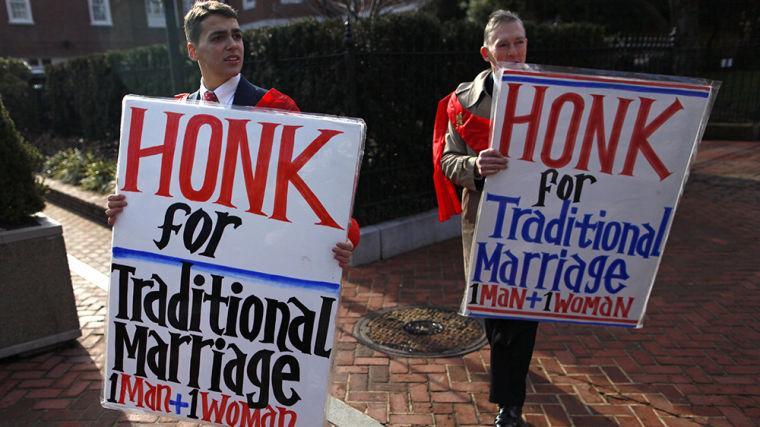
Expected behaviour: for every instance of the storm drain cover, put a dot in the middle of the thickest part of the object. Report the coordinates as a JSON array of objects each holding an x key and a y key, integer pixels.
[{"x": 420, "y": 332}]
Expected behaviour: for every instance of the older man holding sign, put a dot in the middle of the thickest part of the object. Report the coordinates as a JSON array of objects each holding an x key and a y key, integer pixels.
[
  {"x": 462, "y": 157},
  {"x": 224, "y": 281},
  {"x": 574, "y": 229}
]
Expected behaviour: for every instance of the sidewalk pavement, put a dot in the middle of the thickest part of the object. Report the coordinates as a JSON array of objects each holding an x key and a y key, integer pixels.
[{"x": 695, "y": 362}]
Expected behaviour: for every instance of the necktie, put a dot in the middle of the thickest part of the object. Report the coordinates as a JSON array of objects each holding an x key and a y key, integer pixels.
[{"x": 210, "y": 96}]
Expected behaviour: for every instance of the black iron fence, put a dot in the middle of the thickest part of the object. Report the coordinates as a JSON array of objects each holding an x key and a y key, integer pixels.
[
  {"x": 396, "y": 93},
  {"x": 738, "y": 99}
]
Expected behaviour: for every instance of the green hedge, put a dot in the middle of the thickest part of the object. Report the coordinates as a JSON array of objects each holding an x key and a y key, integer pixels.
[
  {"x": 626, "y": 16},
  {"x": 402, "y": 64},
  {"x": 20, "y": 194},
  {"x": 21, "y": 99},
  {"x": 84, "y": 94}
]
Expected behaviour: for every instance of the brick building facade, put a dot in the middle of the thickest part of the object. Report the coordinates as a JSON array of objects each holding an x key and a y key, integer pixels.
[{"x": 45, "y": 31}]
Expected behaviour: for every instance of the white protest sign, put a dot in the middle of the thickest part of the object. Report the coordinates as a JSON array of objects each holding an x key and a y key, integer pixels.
[
  {"x": 574, "y": 229},
  {"x": 224, "y": 290}
]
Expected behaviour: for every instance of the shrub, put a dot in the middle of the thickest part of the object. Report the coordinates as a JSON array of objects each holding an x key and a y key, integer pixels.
[
  {"x": 20, "y": 194},
  {"x": 92, "y": 89},
  {"x": 49, "y": 144},
  {"x": 82, "y": 168},
  {"x": 403, "y": 64},
  {"x": 84, "y": 94},
  {"x": 631, "y": 16},
  {"x": 571, "y": 44},
  {"x": 100, "y": 176},
  {"x": 21, "y": 100},
  {"x": 69, "y": 165},
  {"x": 64, "y": 114}
]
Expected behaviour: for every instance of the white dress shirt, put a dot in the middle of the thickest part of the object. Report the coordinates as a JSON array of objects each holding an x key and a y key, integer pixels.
[{"x": 225, "y": 93}]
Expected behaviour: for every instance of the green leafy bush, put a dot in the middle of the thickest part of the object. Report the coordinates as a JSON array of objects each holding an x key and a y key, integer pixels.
[
  {"x": 83, "y": 168},
  {"x": 69, "y": 166},
  {"x": 100, "y": 176},
  {"x": 20, "y": 193}
]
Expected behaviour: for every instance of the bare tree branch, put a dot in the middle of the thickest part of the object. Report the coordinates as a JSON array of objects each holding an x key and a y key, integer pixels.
[{"x": 355, "y": 9}]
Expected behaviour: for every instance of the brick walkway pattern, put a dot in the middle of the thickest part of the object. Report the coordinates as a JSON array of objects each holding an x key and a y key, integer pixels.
[{"x": 696, "y": 362}]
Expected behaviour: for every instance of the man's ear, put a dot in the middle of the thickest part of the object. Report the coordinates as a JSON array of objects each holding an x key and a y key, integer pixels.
[
  {"x": 484, "y": 53},
  {"x": 191, "y": 51}
]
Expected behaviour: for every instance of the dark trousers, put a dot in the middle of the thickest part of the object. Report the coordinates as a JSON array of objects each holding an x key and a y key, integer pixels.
[{"x": 512, "y": 344}]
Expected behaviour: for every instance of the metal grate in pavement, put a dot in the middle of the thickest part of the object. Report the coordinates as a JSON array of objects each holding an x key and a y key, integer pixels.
[{"x": 420, "y": 331}]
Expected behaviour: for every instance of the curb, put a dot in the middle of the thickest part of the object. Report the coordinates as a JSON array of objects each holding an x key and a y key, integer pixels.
[
  {"x": 743, "y": 131},
  {"x": 341, "y": 414},
  {"x": 85, "y": 203},
  {"x": 391, "y": 238}
]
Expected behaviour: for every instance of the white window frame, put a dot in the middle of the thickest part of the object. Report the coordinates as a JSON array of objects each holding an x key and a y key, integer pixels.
[
  {"x": 155, "y": 20},
  {"x": 249, "y": 4},
  {"x": 27, "y": 20},
  {"x": 101, "y": 22}
]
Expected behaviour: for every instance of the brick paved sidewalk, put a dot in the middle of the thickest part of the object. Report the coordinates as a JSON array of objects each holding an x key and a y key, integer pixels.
[{"x": 695, "y": 362}]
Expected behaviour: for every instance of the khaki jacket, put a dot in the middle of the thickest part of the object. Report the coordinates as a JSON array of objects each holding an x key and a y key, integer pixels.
[{"x": 458, "y": 161}]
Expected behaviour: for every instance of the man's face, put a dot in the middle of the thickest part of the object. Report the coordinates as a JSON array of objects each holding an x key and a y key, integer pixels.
[
  {"x": 219, "y": 50},
  {"x": 507, "y": 43}
]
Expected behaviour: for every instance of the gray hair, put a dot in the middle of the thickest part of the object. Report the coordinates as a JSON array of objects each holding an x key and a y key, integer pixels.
[{"x": 497, "y": 18}]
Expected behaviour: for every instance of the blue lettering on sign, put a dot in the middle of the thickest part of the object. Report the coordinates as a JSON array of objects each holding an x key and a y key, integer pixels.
[{"x": 178, "y": 404}]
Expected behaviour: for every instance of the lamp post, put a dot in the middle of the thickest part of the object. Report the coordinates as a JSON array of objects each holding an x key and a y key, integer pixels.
[{"x": 175, "y": 59}]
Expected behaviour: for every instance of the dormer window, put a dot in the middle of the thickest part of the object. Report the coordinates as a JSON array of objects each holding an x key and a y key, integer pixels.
[
  {"x": 100, "y": 13},
  {"x": 19, "y": 11}
]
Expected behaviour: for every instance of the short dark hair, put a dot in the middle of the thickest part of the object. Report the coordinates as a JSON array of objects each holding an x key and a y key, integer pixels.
[
  {"x": 202, "y": 10},
  {"x": 497, "y": 18}
]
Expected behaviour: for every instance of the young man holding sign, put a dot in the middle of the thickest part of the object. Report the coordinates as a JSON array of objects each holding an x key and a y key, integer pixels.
[
  {"x": 224, "y": 286},
  {"x": 461, "y": 157},
  {"x": 215, "y": 42}
]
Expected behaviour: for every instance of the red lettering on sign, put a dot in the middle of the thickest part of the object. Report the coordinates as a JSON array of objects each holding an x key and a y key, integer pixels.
[
  {"x": 287, "y": 172},
  {"x": 144, "y": 394},
  {"x": 135, "y": 152},
  {"x": 188, "y": 157},
  {"x": 237, "y": 143},
  {"x": 256, "y": 193},
  {"x": 511, "y": 119},
  {"x": 237, "y": 148},
  {"x": 642, "y": 131},
  {"x": 255, "y": 182},
  {"x": 572, "y": 132},
  {"x": 595, "y": 131}
]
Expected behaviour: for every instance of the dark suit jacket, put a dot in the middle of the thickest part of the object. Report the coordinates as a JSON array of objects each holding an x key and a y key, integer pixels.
[{"x": 246, "y": 94}]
